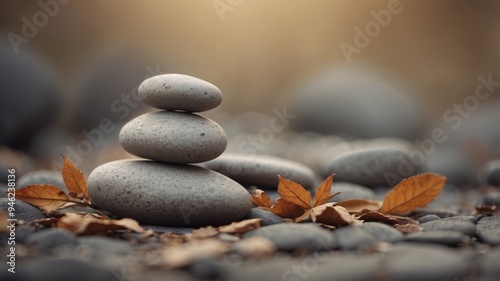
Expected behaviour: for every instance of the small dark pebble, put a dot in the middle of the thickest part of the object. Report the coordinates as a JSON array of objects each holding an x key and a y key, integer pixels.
[
  {"x": 492, "y": 199},
  {"x": 206, "y": 269},
  {"x": 353, "y": 238},
  {"x": 102, "y": 246},
  {"x": 447, "y": 238},
  {"x": 493, "y": 172},
  {"x": 23, "y": 232},
  {"x": 382, "y": 232},
  {"x": 23, "y": 211},
  {"x": 461, "y": 226},
  {"x": 428, "y": 218},
  {"x": 162, "y": 229},
  {"x": 48, "y": 239},
  {"x": 268, "y": 218}
]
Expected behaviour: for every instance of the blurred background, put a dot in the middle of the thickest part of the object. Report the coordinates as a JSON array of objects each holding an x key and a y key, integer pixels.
[{"x": 66, "y": 65}]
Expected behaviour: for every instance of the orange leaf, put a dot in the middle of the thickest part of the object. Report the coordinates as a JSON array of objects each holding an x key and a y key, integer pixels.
[
  {"x": 286, "y": 209},
  {"x": 44, "y": 196},
  {"x": 334, "y": 215},
  {"x": 308, "y": 213},
  {"x": 322, "y": 192},
  {"x": 358, "y": 205},
  {"x": 74, "y": 180},
  {"x": 260, "y": 199},
  {"x": 412, "y": 193},
  {"x": 294, "y": 193},
  {"x": 79, "y": 224},
  {"x": 241, "y": 226}
]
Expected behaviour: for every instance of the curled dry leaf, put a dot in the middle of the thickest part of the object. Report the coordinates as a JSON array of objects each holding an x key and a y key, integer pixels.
[
  {"x": 412, "y": 193},
  {"x": 74, "y": 180},
  {"x": 255, "y": 247},
  {"x": 182, "y": 255},
  {"x": 334, "y": 215},
  {"x": 241, "y": 227},
  {"x": 83, "y": 225},
  {"x": 44, "y": 196},
  {"x": 358, "y": 205},
  {"x": 47, "y": 222},
  {"x": 293, "y": 192},
  {"x": 3, "y": 222},
  {"x": 260, "y": 199},
  {"x": 409, "y": 228},
  {"x": 286, "y": 209},
  {"x": 367, "y": 215},
  {"x": 322, "y": 194},
  {"x": 203, "y": 232}
]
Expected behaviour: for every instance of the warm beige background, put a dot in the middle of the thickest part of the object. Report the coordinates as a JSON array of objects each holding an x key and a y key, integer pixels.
[{"x": 262, "y": 48}]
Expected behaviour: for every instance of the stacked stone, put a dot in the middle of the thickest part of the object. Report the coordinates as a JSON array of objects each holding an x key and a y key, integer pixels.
[{"x": 166, "y": 190}]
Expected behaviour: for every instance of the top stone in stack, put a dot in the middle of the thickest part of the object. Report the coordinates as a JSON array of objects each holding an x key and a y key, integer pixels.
[{"x": 176, "y": 135}]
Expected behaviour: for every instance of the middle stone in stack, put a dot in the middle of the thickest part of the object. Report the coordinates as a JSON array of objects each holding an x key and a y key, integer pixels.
[{"x": 168, "y": 191}]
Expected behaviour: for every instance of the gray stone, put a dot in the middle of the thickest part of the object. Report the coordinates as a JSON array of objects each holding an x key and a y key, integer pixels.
[
  {"x": 451, "y": 163},
  {"x": 471, "y": 219},
  {"x": 23, "y": 211},
  {"x": 103, "y": 246},
  {"x": 382, "y": 232},
  {"x": 411, "y": 262},
  {"x": 267, "y": 217},
  {"x": 261, "y": 170},
  {"x": 447, "y": 238},
  {"x": 371, "y": 167},
  {"x": 428, "y": 218},
  {"x": 492, "y": 198},
  {"x": 493, "y": 173},
  {"x": 488, "y": 264},
  {"x": 464, "y": 227},
  {"x": 48, "y": 239},
  {"x": 174, "y": 230},
  {"x": 356, "y": 104},
  {"x": 291, "y": 237},
  {"x": 488, "y": 230},
  {"x": 42, "y": 177},
  {"x": 351, "y": 191},
  {"x": 353, "y": 238},
  {"x": 180, "y": 92},
  {"x": 168, "y": 194},
  {"x": 66, "y": 269},
  {"x": 175, "y": 137}
]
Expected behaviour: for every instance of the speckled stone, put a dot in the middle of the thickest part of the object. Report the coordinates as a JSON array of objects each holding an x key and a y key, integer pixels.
[
  {"x": 174, "y": 137},
  {"x": 267, "y": 217},
  {"x": 372, "y": 167},
  {"x": 179, "y": 92},
  {"x": 261, "y": 170},
  {"x": 382, "y": 232},
  {"x": 428, "y": 218},
  {"x": 353, "y": 238},
  {"x": 291, "y": 237},
  {"x": 168, "y": 194},
  {"x": 462, "y": 226}
]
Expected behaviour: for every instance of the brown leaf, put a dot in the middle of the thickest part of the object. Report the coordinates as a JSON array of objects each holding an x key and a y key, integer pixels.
[
  {"x": 241, "y": 226},
  {"x": 412, "y": 193},
  {"x": 74, "y": 180},
  {"x": 357, "y": 205},
  {"x": 286, "y": 209},
  {"x": 80, "y": 224},
  {"x": 47, "y": 222},
  {"x": 334, "y": 215},
  {"x": 409, "y": 228},
  {"x": 260, "y": 199},
  {"x": 44, "y": 196},
  {"x": 487, "y": 209},
  {"x": 204, "y": 232},
  {"x": 181, "y": 255},
  {"x": 255, "y": 247},
  {"x": 367, "y": 215},
  {"x": 293, "y": 192},
  {"x": 322, "y": 194},
  {"x": 3, "y": 222}
]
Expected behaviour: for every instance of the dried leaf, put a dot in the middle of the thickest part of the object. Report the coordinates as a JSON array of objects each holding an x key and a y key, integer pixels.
[
  {"x": 44, "y": 196},
  {"x": 322, "y": 194},
  {"x": 334, "y": 215},
  {"x": 241, "y": 227},
  {"x": 181, "y": 255},
  {"x": 79, "y": 224},
  {"x": 255, "y": 247},
  {"x": 307, "y": 214},
  {"x": 294, "y": 193},
  {"x": 3, "y": 222},
  {"x": 367, "y": 215},
  {"x": 286, "y": 209},
  {"x": 412, "y": 193},
  {"x": 357, "y": 205},
  {"x": 487, "y": 209},
  {"x": 204, "y": 232},
  {"x": 74, "y": 180},
  {"x": 409, "y": 228},
  {"x": 47, "y": 222},
  {"x": 260, "y": 199}
]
